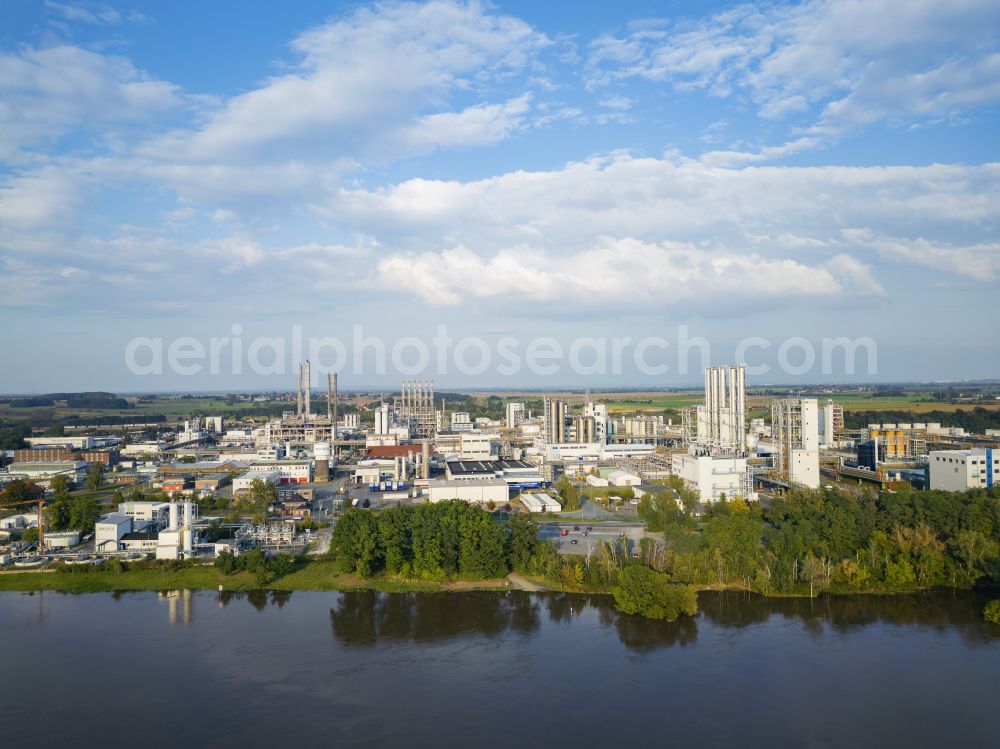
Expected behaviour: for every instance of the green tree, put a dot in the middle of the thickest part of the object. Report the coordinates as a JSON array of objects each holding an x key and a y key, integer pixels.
[
  {"x": 815, "y": 572},
  {"x": 642, "y": 591},
  {"x": 263, "y": 494},
  {"x": 973, "y": 548},
  {"x": 59, "y": 485},
  {"x": 83, "y": 514},
  {"x": 569, "y": 494},
  {"x": 16, "y": 492},
  {"x": 30, "y": 535},
  {"x": 95, "y": 476},
  {"x": 523, "y": 540},
  {"x": 57, "y": 513}
]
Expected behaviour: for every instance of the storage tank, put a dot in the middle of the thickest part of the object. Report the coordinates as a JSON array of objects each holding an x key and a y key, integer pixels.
[{"x": 322, "y": 452}]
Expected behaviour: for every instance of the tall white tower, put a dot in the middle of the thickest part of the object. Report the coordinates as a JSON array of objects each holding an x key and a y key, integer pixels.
[
  {"x": 795, "y": 429},
  {"x": 725, "y": 408}
]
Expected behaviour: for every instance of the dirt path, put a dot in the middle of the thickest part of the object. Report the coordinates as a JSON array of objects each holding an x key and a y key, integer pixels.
[{"x": 522, "y": 583}]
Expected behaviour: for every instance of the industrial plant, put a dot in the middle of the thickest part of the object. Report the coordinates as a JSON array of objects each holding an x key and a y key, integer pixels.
[{"x": 212, "y": 487}]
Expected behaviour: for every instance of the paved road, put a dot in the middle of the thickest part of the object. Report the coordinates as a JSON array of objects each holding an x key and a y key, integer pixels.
[
  {"x": 588, "y": 540},
  {"x": 320, "y": 543}
]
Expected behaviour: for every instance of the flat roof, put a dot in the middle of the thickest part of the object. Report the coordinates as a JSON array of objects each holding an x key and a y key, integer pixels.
[
  {"x": 487, "y": 466},
  {"x": 138, "y": 536},
  {"x": 446, "y": 483}
]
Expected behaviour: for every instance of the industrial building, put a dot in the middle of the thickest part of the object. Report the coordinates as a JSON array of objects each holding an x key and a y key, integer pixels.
[
  {"x": 555, "y": 421},
  {"x": 795, "y": 431},
  {"x": 477, "y": 445},
  {"x": 517, "y": 474},
  {"x": 712, "y": 476},
  {"x": 63, "y": 540},
  {"x": 415, "y": 407},
  {"x": 959, "y": 470},
  {"x": 146, "y": 514},
  {"x": 177, "y": 540},
  {"x": 109, "y": 530},
  {"x": 74, "y": 470},
  {"x": 623, "y": 478},
  {"x": 61, "y": 454},
  {"x": 539, "y": 502},
  {"x": 479, "y": 490},
  {"x": 515, "y": 415},
  {"x": 831, "y": 423}
]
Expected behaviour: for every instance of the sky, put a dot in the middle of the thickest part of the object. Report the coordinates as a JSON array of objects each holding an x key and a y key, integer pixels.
[{"x": 285, "y": 180}]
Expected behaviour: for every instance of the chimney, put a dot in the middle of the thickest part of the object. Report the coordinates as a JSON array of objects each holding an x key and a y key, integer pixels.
[
  {"x": 298, "y": 391},
  {"x": 329, "y": 404},
  {"x": 309, "y": 387},
  {"x": 333, "y": 428}
]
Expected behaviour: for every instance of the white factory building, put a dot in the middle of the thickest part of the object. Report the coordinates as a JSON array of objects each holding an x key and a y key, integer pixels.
[
  {"x": 477, "y": 445},
  {"x": 595, "y": 451},
  {"x": 109, "y": 530},
  {"x": 623, "y": 478},
  {"x": 959, "y": 470},
  {"x": 712, "y": 476},
  {"x": 146, "y": 514},
  {"x": 243, "y": 482},
  {"x": 539, "y": 502},
  {"x": 275, "y": 472},
  {"x": 480, "y": 491}
]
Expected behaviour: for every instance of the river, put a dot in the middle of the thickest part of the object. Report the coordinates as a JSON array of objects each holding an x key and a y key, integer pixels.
[{"x": 488, "y": 669}]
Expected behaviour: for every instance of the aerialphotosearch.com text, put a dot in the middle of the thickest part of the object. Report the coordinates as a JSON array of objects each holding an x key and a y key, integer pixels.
[{"x": 506, "y": 356}]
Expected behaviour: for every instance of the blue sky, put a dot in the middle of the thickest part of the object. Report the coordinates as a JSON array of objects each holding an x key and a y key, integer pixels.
[{"x": 775, "y": 170}]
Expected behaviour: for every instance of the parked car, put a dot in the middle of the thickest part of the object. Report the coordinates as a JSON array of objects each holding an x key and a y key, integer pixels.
[
  {"x": 573, "y": 541},
  {"x": 576, "y": 527},
  {"x": 564, "y": 532}
]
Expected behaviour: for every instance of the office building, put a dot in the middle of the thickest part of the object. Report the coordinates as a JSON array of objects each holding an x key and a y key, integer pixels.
[{"x": 959, "y": 470}]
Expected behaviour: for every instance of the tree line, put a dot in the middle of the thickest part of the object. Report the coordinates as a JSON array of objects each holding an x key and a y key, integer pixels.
[
  {"x": 976, "y": 420},
  {"x": 810, "y": 541},
  {"x": 433, "y": 542}
]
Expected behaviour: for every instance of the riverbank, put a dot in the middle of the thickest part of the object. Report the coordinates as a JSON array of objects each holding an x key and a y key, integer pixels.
[{"x": 318, "y": 575}]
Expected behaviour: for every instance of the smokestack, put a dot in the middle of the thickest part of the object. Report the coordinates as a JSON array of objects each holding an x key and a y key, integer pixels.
[
  {"x": 309, "y": 387},
  {"x": 298, "y": 391},
  {"x": 329, "y": 405},
  {"x": 333, "y": 428},
  {"x": 427, "y": 459}
]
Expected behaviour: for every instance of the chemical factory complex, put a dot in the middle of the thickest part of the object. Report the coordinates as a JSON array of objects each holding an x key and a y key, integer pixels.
[{"x": 308, "y": 464}]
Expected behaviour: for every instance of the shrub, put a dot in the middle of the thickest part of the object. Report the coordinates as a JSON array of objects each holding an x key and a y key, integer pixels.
[{"x": 992, "y": 611}]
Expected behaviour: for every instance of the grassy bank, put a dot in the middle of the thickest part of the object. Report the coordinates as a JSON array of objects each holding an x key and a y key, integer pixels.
[{"x": 312, "y": 575}]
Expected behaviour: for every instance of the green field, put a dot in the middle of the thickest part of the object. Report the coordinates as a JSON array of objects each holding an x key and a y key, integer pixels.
[
  {"x": 174, "y": 409},
  {"x": 178, "y": 409}
]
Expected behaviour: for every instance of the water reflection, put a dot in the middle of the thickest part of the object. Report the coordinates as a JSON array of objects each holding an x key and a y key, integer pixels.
[
  {"x": 960, "y": 611},
  {"x": 259, "y": 599},
  {"x": 362, "y": 618},
  {"x": 180, "y": 605}
]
